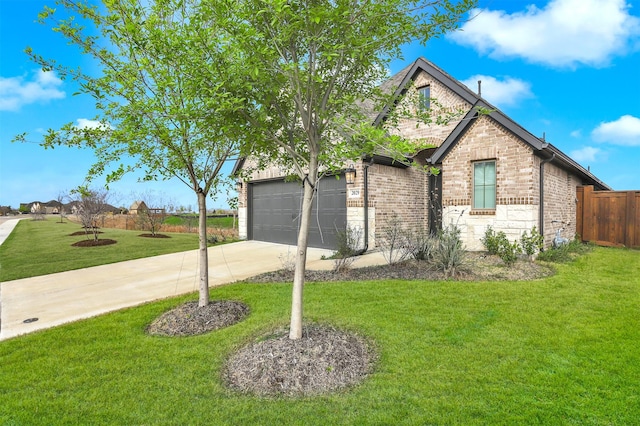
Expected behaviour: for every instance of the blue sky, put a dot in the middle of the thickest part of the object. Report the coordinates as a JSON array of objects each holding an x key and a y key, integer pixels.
[{"x": 569, "y": 69}]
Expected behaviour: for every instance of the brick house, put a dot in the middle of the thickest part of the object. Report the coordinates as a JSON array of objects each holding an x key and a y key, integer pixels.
[{"x": 493, "y": 172}]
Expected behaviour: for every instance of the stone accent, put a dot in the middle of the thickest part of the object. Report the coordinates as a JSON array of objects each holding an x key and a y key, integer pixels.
[
  {"x": 355, "y": 220},
  {"x": 512, "y": 219},
  {"x": 243, "y": 222},
  {"x": 516, "y": 182}
]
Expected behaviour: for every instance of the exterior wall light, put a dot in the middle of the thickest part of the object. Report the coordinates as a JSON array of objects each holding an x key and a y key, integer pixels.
[{"x": 350, "y": 175}]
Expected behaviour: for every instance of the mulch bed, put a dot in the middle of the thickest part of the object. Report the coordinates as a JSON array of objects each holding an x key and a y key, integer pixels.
[
  {"x": 154, "y": 236},
  {"x": 77, "y": 233},
  {"x": 94, "y": 243},
  {"x": 189, "y": 319},
  {"x": 324, "y": 360},
  {"x": 479, "y": 266}
]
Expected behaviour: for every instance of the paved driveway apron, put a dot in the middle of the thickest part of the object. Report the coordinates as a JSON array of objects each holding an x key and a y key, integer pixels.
[{"x": 68, "y": 296}]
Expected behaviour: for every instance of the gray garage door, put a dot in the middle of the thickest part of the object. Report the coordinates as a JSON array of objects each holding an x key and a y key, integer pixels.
[{"x": 274, "y": 211}]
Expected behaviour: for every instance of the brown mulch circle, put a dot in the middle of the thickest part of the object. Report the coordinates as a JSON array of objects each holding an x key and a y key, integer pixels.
[
  {"x": 478, "y": 266},
  {"x": 189, "y": 319},
  {"x": 154, "y": 236},
  {"x": 94, "y": 243},
  {"x": 323, "y": 360},
  {"x": 77, "y": 233}
]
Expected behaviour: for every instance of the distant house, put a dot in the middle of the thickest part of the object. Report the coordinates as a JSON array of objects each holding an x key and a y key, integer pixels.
[
  {"x": 138, "y": 207},
  {"x": 36, "y": 207}
]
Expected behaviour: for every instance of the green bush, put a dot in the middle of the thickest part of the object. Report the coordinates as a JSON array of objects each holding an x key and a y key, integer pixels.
[
  {"x": 347, "y": 243},
  {"x": 492, "y": 240},
  {"x": 509, "y": 252},
  {"x": 531, "y": 243},
  {"x": 566, "y": 252},
  {"x": 498, "y": 244}
]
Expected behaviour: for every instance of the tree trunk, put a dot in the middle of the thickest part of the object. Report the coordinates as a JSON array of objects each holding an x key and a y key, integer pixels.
[
  {"x": 295, "y": 330},
  {"x": 203, "y": 257}
]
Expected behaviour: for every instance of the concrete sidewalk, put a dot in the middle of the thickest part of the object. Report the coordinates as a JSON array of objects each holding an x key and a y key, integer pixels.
[
  {"x": 68, "y": 296},
  {"x": 6, "y": 226}
]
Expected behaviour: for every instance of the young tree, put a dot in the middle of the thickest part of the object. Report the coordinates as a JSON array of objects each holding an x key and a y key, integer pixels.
[
  {"x": 313, "y": 66},
  {"x": 91, "y": 205},
  {"x": 155, "y": 104},
  {"x": 60, "y": 199},
  {"x": 233, "y": 205},
  {"x": 154, "y": 215}
]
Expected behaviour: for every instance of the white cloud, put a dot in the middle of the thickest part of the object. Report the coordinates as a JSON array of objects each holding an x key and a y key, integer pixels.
[
  {"x": 85, "y": 123},
  {"x": 17, "y": 91},
  {"x": 587, "y": 154},
  {"x": 576, "y": 133},
  {"x": 564, "y": 33},
  {"x": 506, "y": 92},
  {"x": 624, "y": 131}
]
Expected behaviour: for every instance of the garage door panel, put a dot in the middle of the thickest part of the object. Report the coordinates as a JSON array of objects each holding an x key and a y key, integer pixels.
[
  {"x": 272, "y": 207},
  {"x": 275, "y": 207}
]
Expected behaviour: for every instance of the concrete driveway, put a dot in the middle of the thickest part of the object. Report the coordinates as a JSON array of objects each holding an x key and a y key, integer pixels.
[{"x": 69, "y": 296}]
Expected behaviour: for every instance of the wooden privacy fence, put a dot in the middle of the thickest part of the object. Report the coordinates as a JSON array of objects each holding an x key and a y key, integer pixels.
[{"x": 608, "y": 218}]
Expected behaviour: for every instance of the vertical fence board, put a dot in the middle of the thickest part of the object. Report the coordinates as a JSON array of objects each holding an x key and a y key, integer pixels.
[{"x": 580, "y": 211}]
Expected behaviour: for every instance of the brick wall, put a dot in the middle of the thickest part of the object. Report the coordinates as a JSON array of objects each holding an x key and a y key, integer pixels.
[
  {"x": 515, "y": 165},
  {"x": 448, "y": 101},
  {"x": 395, "y": 191},
  {"x": 560, "y": 201}
]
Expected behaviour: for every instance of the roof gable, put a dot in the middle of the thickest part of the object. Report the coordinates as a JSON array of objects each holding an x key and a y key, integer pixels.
[
  {"x": 539, "y": 146},
  {"x": 400, "y": 83}
]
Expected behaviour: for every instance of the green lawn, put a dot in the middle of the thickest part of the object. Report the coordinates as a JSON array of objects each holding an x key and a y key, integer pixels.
[
  {"x": 192, "y": 220},
  {"x": 44, "y": 247},
  {"x": 563, "y": 350}
]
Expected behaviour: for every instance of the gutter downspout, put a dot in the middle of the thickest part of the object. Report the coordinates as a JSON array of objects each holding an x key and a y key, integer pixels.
[
  {"x": 366, "y": 210},
  {"x": 541, "y": 207}
]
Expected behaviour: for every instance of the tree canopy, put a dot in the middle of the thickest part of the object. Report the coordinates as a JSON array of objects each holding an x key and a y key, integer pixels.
[
  {"x": 155, "y": 105},
  {"x": 314, "y": 69}
]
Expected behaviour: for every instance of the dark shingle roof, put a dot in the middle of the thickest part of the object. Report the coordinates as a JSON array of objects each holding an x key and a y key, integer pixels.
[
  {"x": 399, "y": 83},
  {"x": 539, "y": 146}
]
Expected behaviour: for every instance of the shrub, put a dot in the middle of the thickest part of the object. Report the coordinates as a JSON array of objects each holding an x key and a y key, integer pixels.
[
  {"x": 450, "y": 253},
  {"x": 347, "y": 243},
  {"x": 492, "y": 240},
  {"x": 421, "y": 244},
  {"x": 508, "y": 252},
  {"x": 393, "y": 244},
  {"x": 532, "y": 243},
  {"x": 565, "y": 253},
  {"x": 497, "y": 243},
  {"x": 288, "y": 261}
]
